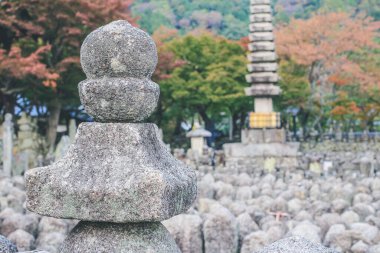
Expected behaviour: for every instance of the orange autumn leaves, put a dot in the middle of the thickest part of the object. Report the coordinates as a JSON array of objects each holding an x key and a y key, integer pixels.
[
  {"x": 341, "y": 53},
  {"x": 330, "y": 39},
  {"x": 16, "y": 66},
  {"x": 56, "y": 28}
]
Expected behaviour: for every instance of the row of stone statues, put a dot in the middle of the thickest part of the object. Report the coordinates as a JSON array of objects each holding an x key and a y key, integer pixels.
[{"x": 26, "y": 148}]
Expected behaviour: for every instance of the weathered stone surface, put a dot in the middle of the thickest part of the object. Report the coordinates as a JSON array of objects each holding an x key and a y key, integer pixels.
[
  {"x": 262, "y": 67},
  {"x": 50, "y": 225},
  {"x": 118, "y": 50},
  {"x": 119, "y": 99},
  {"x": 267, "y": 17},
  {"x": 264, "y": 90},
  {"x": 262, "y": 8},
  {"x": 114, "y": 173},
  {"x": 119, "y": 60},
  {"x": 262, "y": 57},
  {"x": 88, "y": 237},
  {"x": 359, "y": 247},
  {"x": 23, "y": 240},
  {"x": 295, "y": 244},
  {"x": 187, "y": 232},
  {"x": 29, "y": 223},
  {"x": 36, "y": 251},
  {"x": 258, "y": 2},
  {"x": 254, "y": 242},
  {"x": 6, "y": 246},
  {"x": 365, "y": 232},
  {"x": 261, "y": 36},
  {"x": 307, "y": 230},
  {"x": 50, "y": 241},
  {"x": 264, "y": 136},
  {"x": 261, "y": 27},
  {"x": 220, "y": 231},
  {"x": 264, "y": 149},
  {"x": 261, "y": 46},
  {"x": 264, "y": 77},
  {"x": 246, "y": 225}
]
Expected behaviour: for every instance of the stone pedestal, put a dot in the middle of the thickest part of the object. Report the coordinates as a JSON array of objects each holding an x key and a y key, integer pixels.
[
  {"x": 118, "y": 177},
  {"x": 90, "y": 237},
  {"x": 263, "y": 136}
]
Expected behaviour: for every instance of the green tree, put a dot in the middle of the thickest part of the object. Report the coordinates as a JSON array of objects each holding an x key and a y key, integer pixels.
[{"x": 211, "y": 80}]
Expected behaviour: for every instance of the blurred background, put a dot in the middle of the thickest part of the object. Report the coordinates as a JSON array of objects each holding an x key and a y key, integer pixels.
[{"x": 328, "y": 55}]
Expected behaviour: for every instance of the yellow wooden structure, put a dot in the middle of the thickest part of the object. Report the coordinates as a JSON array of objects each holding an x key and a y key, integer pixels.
[{"x": 264, "y": 120}]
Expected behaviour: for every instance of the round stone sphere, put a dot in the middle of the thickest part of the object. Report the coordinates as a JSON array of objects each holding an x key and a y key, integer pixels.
[
  {"x": 119, "y": 99},
  {"x": 118, "y": 50}
]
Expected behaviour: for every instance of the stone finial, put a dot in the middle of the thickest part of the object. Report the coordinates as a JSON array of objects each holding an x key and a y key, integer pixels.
[{"x": 119, "y": 60}]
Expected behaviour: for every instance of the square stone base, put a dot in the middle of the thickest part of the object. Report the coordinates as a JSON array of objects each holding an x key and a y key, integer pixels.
[{"x": 263, "y": 136}]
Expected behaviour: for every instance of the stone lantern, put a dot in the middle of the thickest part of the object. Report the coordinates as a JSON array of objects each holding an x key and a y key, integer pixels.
[{"x": 198, "y": 138}]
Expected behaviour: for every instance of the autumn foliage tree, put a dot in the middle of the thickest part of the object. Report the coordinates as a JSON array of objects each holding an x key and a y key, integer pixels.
[
  {"x": 328, "y": 45},
  {"x": 56, "y": 27}
]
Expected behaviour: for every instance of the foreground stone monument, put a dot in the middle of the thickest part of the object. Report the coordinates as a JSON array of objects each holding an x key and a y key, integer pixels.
[
  {"x": 265, "y": 139},
  {"x": 118, "y": 177}
]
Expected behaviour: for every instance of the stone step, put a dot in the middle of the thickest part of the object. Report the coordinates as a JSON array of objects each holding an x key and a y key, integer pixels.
[
  {"x": 258, "y": 9},
  {"x": 262, "y": 67},
  {"x": 261, "y": 36},
  {"x": 266, "y": 17},
  {"x": 262, "y": 57},
  {"x": 261, "y": 46},
  {"x": 261, "y": 27},
  {"x": 260, "y": 2},
  {"x": 263, "y": 90},
  {"x": 267, "y": 77}
]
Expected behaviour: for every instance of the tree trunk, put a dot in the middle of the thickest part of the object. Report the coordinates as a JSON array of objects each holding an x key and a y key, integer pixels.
[
  {"x": 54, "y": 113},
  {"x": 9, "y": 103},
  {"x": 210, "y": 124},
  {"x": 235, "y": 118},
  {"x": 231, "y": 128}
]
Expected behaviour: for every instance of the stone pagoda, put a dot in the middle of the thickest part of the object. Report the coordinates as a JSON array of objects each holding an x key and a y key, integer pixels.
[
  {"x": 262, "y": 69},
  {"x": 264, "y": 140},
  {"x": 117, "y": 178}
]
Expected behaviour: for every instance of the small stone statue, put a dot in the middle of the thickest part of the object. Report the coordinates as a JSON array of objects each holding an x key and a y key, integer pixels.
[{"x": 118, "y": 178}]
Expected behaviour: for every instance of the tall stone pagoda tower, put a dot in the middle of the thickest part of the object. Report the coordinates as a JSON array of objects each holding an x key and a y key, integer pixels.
[
  {"x": 263, "y": 144},
  {"x": 262, "y": 66}
]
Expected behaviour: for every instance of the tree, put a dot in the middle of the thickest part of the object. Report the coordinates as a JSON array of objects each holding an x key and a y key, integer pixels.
[
  {"x": 14, "y": 69},
  {"x": 227, "y": 18},
  {"x": 210, "y": 81},
  {"x": 326, "y": 45},
  {"x": 60, "y": 25}
]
